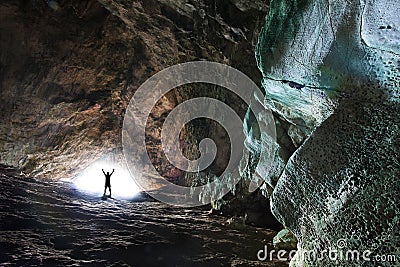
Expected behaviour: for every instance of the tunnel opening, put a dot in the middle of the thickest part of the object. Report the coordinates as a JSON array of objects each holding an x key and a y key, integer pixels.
[{"x": 92, "y": 181}]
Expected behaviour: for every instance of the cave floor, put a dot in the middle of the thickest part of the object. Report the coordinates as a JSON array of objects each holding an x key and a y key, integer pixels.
[{"x": 49, "y": 223}]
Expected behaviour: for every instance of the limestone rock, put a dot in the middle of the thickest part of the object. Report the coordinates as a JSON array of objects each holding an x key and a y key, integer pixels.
[
  {"x": 69, "y": 68},
  {"x": 285, "y": 239},
  {"x": 331, "y": 69}
]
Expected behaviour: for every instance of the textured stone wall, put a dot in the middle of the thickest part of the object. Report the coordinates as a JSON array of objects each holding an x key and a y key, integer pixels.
[
  {"x": 331, "y": 71},
  {"x": 69, "y": 68}
]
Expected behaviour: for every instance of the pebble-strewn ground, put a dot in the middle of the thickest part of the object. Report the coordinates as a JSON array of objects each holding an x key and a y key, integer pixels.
[{"x": 49, "y": 223}]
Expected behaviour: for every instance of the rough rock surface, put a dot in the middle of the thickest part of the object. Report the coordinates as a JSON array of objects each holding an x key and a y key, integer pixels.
[
  {"x": 48, "y": 223},
  {"x": 285, "y": 240},
  {"x": 331, "y": 70},
  {"x": 69, "y": 68}
]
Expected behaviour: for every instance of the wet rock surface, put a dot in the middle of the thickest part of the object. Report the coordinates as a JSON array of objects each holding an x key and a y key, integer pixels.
[{"x": 50, "y": 223}]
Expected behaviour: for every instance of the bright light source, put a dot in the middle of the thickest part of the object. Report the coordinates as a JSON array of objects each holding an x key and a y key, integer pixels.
[{"x": 92, "y": 181}]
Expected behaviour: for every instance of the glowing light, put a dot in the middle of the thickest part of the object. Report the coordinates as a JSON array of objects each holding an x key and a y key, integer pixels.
[{"x": 92, "y": 181}]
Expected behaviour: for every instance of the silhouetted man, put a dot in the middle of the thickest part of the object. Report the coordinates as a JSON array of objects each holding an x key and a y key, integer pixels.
[{"x": 108, "y": 183}]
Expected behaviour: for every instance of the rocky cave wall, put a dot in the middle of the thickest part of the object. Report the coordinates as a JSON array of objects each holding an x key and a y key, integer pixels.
[
  {"x": 69, "y": 68},
  {"x": 331, "y": 70}
]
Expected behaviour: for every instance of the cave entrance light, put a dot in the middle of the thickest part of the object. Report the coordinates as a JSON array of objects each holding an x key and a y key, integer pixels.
[{"x": 92, "y": 180}]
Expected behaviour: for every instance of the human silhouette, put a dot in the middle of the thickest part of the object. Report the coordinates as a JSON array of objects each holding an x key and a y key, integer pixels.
[{"x": 108, "y": 182}]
